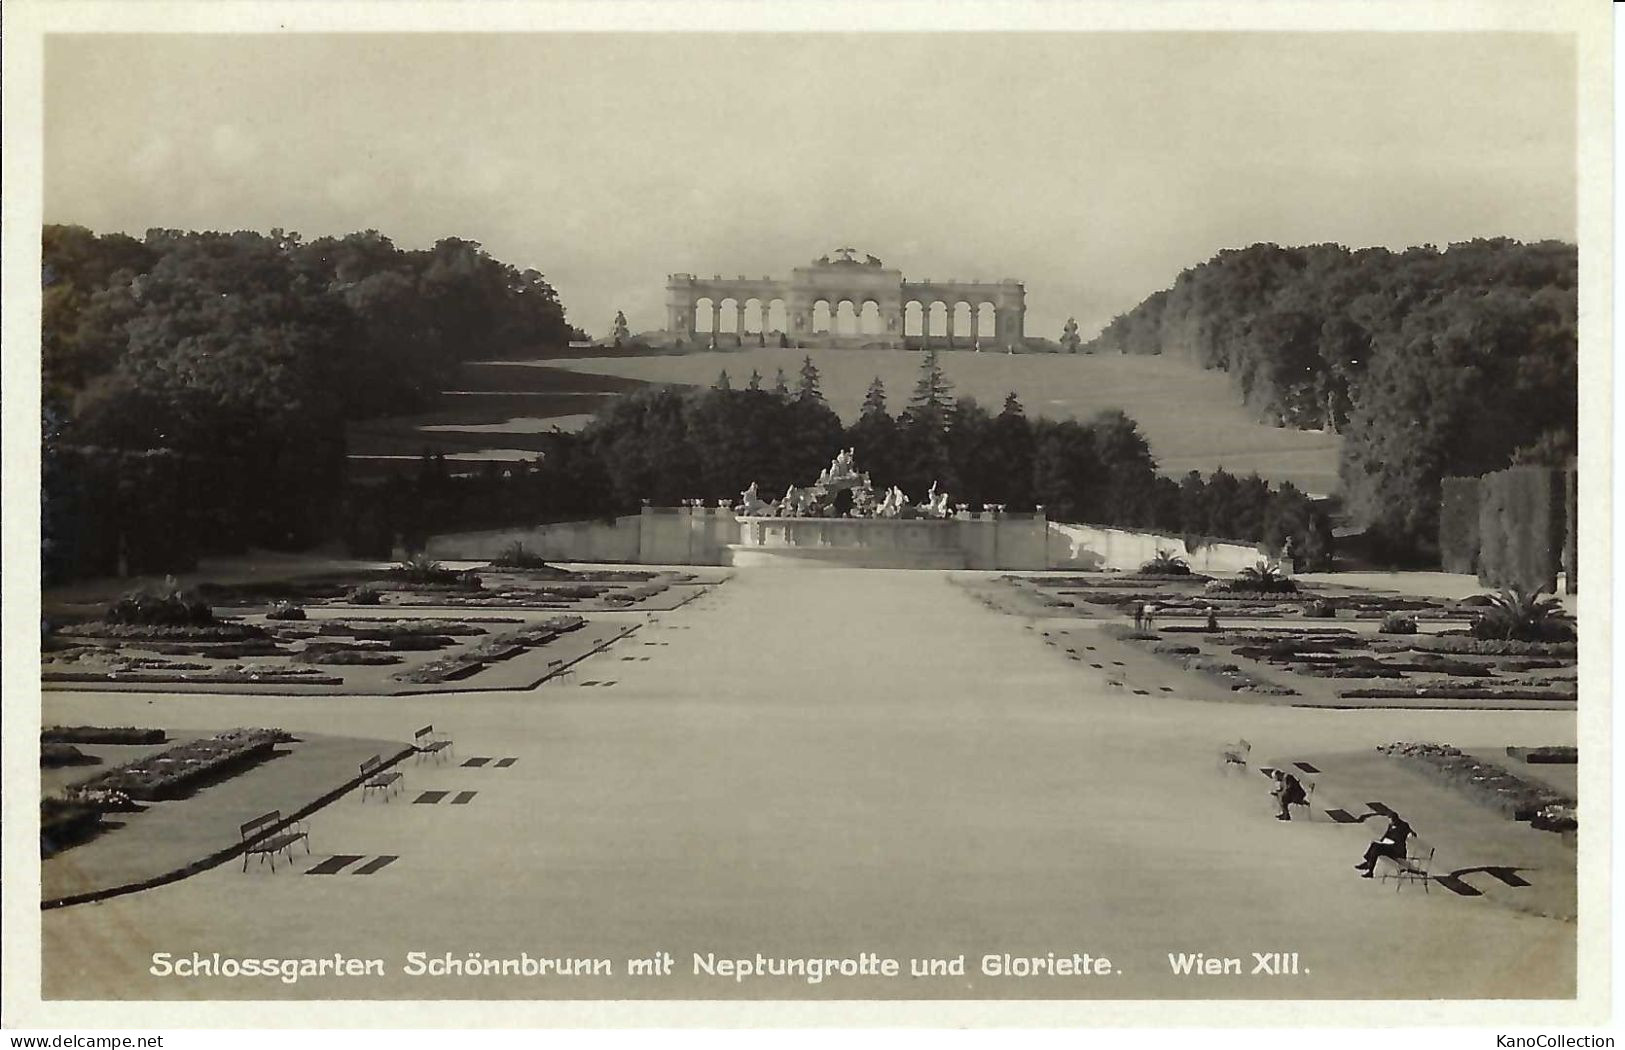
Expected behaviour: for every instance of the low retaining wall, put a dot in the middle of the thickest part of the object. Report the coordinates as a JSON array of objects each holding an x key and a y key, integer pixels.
[
  {"x": 1098, "y": 547},
  {"x": 712, "y": 535}
]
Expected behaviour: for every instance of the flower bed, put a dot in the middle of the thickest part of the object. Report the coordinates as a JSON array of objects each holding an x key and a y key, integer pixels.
[
  {"x": 62, "y": 823},
  {"x": 476, "y": 658},
  {"x": 52, "y": 755},
  {"x": 381, "y": 629},
  {"x": 1566, "y": 756},
  {"x": 1462, "y": 644},
  {"x": 1456, "y": 692},
  {"x": 215, "y": 632},
  {"x": 347, "y": 657},
  {"x": 1487, "y": 784},
  {"x": 171, "y": 773},
  {"x": 216, "y": 650},
  {"x": 1191, "y": 658},
  {"x": 101, "y": 735},
  {"x": 224, "y": 676}
]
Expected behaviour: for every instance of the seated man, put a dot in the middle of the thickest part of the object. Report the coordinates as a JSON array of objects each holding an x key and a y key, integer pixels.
[
  {"x": 1288, "y": 792},
  {"x": 1390, "y": 845}
]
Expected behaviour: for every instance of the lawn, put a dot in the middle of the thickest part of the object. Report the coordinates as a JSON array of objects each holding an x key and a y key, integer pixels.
[{"x": 1192, "y": 418}]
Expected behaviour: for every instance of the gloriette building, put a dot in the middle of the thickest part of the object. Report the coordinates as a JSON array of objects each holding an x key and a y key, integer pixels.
[{"x": 842, "y": 302}]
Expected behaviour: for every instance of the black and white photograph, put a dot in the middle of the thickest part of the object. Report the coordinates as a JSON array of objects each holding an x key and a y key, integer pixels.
[{"x": 877, "y": 510}]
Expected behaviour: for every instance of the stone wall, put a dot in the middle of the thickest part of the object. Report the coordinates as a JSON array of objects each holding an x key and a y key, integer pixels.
[
  {"x": 1095, "y": 547},
  {"x": 702, "y": 536}
]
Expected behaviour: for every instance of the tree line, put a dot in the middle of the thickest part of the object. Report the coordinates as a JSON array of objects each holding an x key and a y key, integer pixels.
[
  {"x": 665, "y": 445},
  {"x": 1430, "y": 363},
  {"x": 242, "y": 355}
]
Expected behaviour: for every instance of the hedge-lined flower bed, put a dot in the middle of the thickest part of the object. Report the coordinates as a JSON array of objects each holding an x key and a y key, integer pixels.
[
  {"x": 225, "y": 676},
  {"x": 1551, "y": 756},
  {"x": 1454, "y": 692},
  {"x": 52, "y": 756},
  {"x": 1467, "y": 646},
  {"x": 216, "y": 632},
  {"x": 170, "y": 773},
  {"x": 1486, "y": 783},
  {"x": 101, "y": 735},
  {"x": 476, "y": 658},
  {"x": 62, "y": 823}
]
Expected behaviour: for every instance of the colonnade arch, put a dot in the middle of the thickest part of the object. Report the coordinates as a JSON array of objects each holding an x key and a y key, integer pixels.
[{"x": 844, "y": 302}]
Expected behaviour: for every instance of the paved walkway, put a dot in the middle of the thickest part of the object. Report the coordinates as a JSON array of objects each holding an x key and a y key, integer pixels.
[{"x": 823, "y": 763}]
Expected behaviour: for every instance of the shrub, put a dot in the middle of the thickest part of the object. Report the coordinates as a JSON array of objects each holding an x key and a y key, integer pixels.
[
  {"x": 165, "y": 606},
  {"x": 469, "y": 579},
  {"x": 367, "y": 594},
  {"x": 517, "y": 556},
  {"x": 1524, "y": 616},
  {"x": 420, "y": 568},
  {"x": 285, "y": 611},
  {"x": 1398, "y": 623},
  {"x": 1265, "y": 577},
  {"x": 1165, "y": 563},
  {"x": 1321, "y": 609}
]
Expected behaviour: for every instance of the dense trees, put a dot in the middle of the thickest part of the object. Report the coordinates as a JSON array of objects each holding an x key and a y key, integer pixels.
[
  {"x": 1430, "y": 362},
  {"x": 241, "y": 355}
]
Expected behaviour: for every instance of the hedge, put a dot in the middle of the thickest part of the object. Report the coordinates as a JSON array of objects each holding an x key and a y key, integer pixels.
[{"x": 1520, "y": 526}]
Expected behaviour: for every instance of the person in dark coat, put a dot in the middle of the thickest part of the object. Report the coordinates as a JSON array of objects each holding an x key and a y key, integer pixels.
[
  {"x": 1390, "y": 845},
  {"x": 1288, "y": 792}
]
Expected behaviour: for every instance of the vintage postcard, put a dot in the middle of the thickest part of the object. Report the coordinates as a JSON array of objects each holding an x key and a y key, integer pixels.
[{"x": 986, "y": 514}]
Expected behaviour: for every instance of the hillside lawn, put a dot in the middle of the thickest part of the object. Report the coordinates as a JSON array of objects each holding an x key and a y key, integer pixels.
[{"x": 1192, "y": 418}]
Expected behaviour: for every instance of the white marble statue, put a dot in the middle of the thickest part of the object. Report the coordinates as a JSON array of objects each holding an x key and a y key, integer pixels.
[{"x": 751, "y": 503}]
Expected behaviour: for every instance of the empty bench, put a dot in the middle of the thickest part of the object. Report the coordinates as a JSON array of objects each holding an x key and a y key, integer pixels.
[
  {"x": 378, "y": 778},
  {"x": 1415, "y": 866},
  {"x": 429, "y": 742},
  {"x": 266, "y": 836}
]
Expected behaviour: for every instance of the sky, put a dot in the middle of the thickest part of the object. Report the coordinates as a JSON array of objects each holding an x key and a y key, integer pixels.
[{"x": 1092, "y": 166}]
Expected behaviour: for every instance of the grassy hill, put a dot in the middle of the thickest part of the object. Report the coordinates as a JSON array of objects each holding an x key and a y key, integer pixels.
[{"x": 1190, "y": 416}]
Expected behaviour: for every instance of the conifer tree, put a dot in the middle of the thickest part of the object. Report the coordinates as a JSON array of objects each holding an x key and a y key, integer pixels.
[
  {"x": 755, "y": 381},
  {"x": 874, "y": 401},
  {"x": 933, "y": 394},
  {"x": 722, "y": 383},
  {"x": 621, "y": 332},
  {"x": 807, "y": 387},
  {"x": 781, "y": 386}
]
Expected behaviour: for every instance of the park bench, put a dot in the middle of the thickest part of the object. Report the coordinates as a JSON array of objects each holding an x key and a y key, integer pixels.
[
  {"x": 378, "y": 778},
  {"x": 1235, "y": 755},
  {"x": 266, "y": 835},
  {"x": 428, "y": 742},
  {"x": 1415, "y": 866}
]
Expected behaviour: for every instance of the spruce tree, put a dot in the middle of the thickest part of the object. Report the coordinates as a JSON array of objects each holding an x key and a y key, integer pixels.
[
  {"x": 722, "y": 383},
  {"x": 807, "y": 388},
  {"x": 621, "y": 333},
  {"x": 933, "y": 394},
  {"x": 874, "y": 401}
]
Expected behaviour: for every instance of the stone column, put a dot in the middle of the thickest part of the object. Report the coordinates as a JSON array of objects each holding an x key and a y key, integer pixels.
[
  {"x": 951, "y": 325},
  {"x": 765, "y": 304},
  {"x": 739, "y": 324},
  {"x": 925, "y": 322}
]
